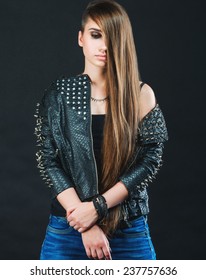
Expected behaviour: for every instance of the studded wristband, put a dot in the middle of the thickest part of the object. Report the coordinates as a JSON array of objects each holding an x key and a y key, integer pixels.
[{"x": 101, "y": 206}]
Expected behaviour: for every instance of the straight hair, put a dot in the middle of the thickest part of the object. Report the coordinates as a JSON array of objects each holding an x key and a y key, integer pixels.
[{"x": 122, "y": 85}]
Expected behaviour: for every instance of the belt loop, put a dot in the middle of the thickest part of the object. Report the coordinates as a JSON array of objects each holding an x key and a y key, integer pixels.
[{"x": 145, "y": 219}]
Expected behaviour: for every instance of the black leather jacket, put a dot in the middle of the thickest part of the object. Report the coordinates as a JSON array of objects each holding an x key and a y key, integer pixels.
[{"x": 66, "y": 158}]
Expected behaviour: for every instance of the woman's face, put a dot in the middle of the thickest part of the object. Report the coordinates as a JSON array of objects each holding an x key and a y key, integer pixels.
[{"x": 93, "y": 43}]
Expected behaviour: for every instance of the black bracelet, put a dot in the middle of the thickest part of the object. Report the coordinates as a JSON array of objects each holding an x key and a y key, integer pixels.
[{"x": 100, "y": 205}]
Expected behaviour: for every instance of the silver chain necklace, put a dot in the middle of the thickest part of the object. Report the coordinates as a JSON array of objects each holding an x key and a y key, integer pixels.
[{"x": 99, "y": 100}]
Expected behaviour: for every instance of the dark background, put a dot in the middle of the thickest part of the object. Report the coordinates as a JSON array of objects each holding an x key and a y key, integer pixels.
[{"x": 38, "y": 44}]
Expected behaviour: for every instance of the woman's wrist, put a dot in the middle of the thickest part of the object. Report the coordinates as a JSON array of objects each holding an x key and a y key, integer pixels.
[
  {"x": 100, "y": 206},
  {"x": 117, "y": 194}
]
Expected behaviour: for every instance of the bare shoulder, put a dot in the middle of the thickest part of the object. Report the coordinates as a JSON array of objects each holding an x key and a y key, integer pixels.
[{"x": 147, "y": 100}]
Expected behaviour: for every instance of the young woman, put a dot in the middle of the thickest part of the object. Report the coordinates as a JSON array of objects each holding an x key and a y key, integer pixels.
[{"x": 100, "y": 136}]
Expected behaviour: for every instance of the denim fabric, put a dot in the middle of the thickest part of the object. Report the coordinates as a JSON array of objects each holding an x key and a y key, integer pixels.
[{"x": 62, "y": 242}]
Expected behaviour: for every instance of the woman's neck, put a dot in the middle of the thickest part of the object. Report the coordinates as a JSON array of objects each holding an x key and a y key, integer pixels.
[
  {"x": 98, "y": 83},
  {"x": 96, "y": 75}
]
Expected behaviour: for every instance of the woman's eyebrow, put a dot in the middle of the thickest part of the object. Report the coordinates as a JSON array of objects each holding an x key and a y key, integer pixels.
[{"x": 94, "y": 29}]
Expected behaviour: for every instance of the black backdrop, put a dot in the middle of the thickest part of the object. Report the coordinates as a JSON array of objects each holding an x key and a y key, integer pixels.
[{"x": 39, "y": 43}]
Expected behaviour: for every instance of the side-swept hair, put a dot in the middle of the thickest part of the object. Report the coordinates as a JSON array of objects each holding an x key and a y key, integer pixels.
[{"x": 122, "y": 82}]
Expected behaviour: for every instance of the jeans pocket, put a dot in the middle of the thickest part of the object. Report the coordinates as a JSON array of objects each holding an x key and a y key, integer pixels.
[
  {"x": 58, "y": 225},
  {"x": 138, "y": 229}
]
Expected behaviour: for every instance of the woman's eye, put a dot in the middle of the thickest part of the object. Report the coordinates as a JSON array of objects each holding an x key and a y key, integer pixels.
[{"x": 96, "y": 35}]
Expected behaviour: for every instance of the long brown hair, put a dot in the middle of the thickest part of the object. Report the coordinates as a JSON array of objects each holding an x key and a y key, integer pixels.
[{"x": 122, "y": 80}]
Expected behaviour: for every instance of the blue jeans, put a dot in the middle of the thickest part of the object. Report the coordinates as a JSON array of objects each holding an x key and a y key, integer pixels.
[{"x": 62, "y": 242}]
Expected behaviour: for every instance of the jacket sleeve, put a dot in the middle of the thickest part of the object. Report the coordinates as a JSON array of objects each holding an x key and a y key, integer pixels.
[
  {"x": 47, "y": 155},
  {"x": 147, "y": 159}
]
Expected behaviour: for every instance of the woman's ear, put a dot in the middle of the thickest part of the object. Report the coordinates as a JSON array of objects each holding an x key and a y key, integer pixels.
[{"x": 80, "y": 39}]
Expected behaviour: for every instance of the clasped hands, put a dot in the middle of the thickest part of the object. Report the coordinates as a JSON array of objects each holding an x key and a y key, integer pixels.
[{"x": 82, "y": 217}]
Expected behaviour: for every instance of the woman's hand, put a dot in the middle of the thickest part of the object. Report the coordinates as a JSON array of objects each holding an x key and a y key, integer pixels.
[
  {"x": 82, "y": 216},
  {"x": 96, "y": 244}
]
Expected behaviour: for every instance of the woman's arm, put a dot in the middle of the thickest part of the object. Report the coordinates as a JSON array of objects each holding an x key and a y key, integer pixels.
[
  {"x": 80, "y": 215},
  {"x": 68, "y": 198},
  {"x": 116, "y": 195},
  {"x": 94, "y": 240},
  {"x": 148, "y": 158},
  {"x": 47, "y": 155},
  {"x": 96, "y": 243}
]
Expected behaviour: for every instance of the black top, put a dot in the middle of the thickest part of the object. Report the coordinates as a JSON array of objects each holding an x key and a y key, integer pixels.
[{"x": 97, "y": 133}]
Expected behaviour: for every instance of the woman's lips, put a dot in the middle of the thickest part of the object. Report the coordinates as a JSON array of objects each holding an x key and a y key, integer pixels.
[{"x": 101, "y": 57}]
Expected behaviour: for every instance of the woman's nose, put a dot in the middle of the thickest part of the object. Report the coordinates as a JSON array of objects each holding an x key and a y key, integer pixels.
[{"x": 103, "y": 47}]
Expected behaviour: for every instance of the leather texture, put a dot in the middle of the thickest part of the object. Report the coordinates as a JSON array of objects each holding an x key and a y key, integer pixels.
[{"x": 65, "y": 153}]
